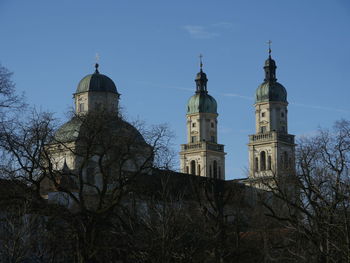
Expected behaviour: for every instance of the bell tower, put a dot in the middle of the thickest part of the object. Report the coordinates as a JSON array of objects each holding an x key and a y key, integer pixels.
[
  {"x": 202, "y": 155},
  {"x": 271, "y": 148}
]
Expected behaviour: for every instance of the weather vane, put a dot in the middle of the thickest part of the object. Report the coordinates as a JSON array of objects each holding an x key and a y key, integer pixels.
[
  {"x": 269, "y": 43},
  {"x": 200, "y": 60}
]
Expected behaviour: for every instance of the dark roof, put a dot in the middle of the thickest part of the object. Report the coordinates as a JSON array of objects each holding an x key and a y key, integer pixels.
[
  {"x": 96, "y": 82},
  {"x": 180, "y": 183}
]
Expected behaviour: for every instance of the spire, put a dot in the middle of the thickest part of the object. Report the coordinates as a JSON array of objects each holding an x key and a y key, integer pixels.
[
  {"x": 201, "y": 78},
  {"x": 270, "y": 67}
]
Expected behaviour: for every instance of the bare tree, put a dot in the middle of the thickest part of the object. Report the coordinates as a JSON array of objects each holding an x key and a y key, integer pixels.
[
  {"x": 104, "y": 160},
  {"x": 8, "y": 97},
  {"x": 316, "y": 216}
]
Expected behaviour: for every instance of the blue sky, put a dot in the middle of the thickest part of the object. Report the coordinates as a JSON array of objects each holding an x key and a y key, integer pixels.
[{"x": 150, "y": 49}]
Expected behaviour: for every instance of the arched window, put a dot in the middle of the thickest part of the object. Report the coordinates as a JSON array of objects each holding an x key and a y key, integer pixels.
[
  {"x": 269, "y": 162},
  {"x": 193, "y": 167},
  {"x": 215, "y": 168},
  {"x": 262, "y": 161},
  {"x": 256, "y": 164},
  {"x": 199, "y": 169},
  {"x": 210, "y": 173},
  {"x": 290, "y": 163},
  {"x": 285, "y": 160}
]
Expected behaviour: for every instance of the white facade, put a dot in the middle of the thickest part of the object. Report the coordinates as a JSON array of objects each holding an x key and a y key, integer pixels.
[{"x": 95, "y": 101}]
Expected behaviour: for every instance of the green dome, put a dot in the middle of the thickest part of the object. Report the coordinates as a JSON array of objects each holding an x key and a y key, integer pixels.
[
  {"x": 201, "y": 102},
  {"x": 271, "y": 91},
  {"x": 96, "y": 82},
  {"x": 71, "y": 130}
]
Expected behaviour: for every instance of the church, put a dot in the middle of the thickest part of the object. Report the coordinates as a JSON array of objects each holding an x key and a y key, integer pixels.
[
  {"x": 99, "y": 183},
  {"x": 73, "y": 153}
]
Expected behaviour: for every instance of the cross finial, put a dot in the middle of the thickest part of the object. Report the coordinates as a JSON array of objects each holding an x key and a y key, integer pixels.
[
  {"x": 269, "y": 43},
  {"x": 97, "y": 58},
  {"x": 200, "y": 61}
]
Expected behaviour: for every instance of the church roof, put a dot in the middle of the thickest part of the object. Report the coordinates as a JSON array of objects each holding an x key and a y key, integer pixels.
[
  {"x": 71, "y": 130},
  {"x": 271, "y": 91},
  {"x": 96, "y": 82},
  {"x": 201, "y": 102}
]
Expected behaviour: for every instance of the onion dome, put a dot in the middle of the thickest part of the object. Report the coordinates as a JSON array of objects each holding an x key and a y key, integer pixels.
[
  {"x": 96, "y": 82},
  {"x": 201, "y": 101},
  {"x": 270, "y": 89}
]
